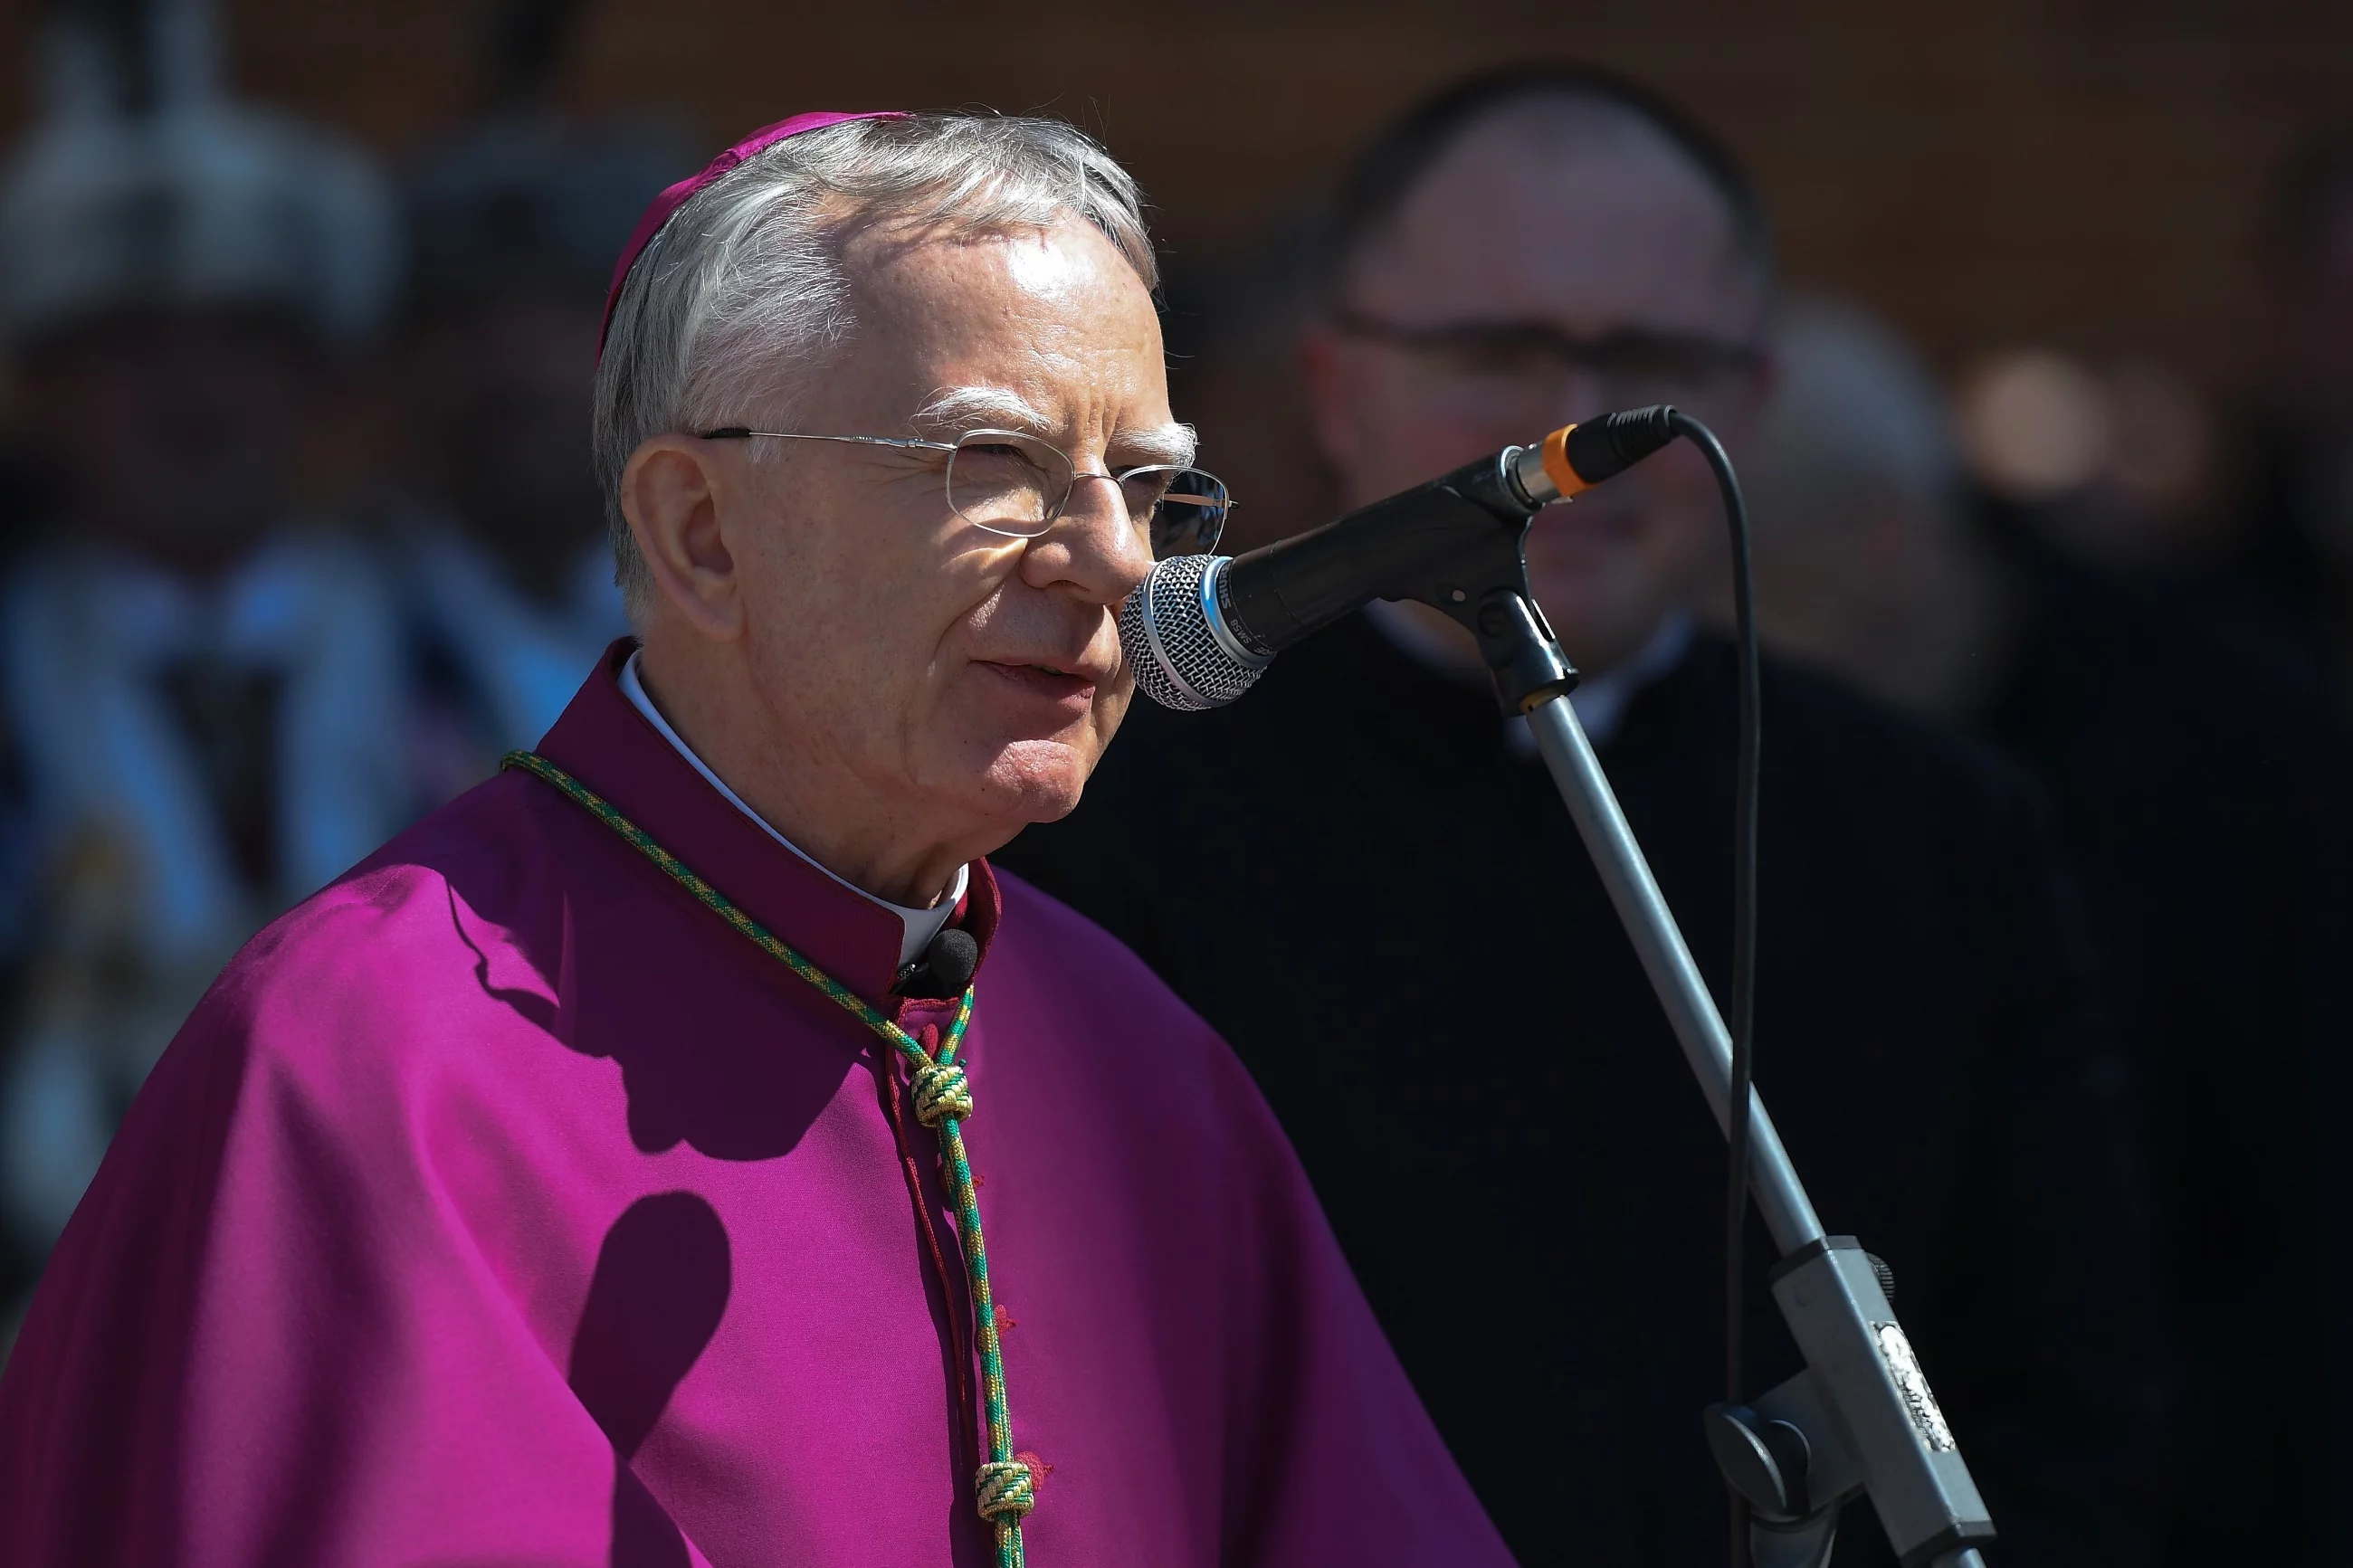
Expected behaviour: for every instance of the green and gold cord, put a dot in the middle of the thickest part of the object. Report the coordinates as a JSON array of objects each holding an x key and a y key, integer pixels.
[{"x": 1005, "y": 1488}]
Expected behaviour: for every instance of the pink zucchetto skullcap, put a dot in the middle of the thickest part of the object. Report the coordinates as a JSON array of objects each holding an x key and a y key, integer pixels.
[{"x": 678, "y": 195}]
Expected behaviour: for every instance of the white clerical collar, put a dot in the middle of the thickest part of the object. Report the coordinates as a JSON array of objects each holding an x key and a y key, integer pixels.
[
  {"x": 1600, "y": 700},
  {"x": 917, "y": 927}
]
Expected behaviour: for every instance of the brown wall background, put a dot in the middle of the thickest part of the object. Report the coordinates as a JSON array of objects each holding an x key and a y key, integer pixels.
[{"x": 2083, "y": 173}]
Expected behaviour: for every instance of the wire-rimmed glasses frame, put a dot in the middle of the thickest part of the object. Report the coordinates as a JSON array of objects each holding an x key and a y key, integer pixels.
[
  {"x": 1524, "y": 360},
  {"x": 1013, "y": 484}
]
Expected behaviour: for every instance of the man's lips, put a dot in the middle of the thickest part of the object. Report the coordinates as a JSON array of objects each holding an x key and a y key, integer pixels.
[{"x": 1048, "y": 680}]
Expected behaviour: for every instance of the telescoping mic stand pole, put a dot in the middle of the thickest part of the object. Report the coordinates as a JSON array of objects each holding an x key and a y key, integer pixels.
[{"x": 1860, "y": 1418}]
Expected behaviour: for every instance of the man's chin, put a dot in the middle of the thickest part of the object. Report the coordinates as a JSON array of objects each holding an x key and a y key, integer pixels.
[{"x": 1038, "y": 780}]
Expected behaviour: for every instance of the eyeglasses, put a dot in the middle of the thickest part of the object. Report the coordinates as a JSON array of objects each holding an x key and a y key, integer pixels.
[
  {"x": 1015, "y": 485},
  {"x": 1526, "y": 360}
]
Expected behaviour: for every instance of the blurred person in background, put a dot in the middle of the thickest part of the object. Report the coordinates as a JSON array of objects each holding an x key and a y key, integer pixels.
[
  {"x": 2203, "y": 802},
  {"x": 201, "y": 684},
  {"x": 2113, "y": 464},
  {"x": 1384, "y": 906},
  {"x": 514, "y": 225}
]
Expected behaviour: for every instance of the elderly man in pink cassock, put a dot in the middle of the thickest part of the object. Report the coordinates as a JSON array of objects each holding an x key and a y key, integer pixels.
[{"x": 683, "y": 1149}]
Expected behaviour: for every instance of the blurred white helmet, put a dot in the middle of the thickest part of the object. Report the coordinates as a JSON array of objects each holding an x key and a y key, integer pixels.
[{"x": 143, "y": 186}]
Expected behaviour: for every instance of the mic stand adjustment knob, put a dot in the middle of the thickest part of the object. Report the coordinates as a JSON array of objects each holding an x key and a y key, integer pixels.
[{"x": 1766, "y": 1456}]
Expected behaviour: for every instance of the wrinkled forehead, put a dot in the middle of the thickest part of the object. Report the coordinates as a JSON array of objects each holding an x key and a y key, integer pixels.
[
  {"x": 1577, "y": 212},
  {"x": 1054, "y": 319}
]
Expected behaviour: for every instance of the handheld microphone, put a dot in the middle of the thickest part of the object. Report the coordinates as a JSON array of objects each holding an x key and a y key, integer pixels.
[{"x": 1201, "y": 629}]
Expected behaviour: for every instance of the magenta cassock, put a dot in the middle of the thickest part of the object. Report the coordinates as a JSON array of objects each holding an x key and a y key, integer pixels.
[{"x": 501, "y": 1205}]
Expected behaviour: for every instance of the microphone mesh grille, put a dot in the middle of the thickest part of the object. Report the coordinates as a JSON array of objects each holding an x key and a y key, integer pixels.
[{"x": 1188, "y": 670}]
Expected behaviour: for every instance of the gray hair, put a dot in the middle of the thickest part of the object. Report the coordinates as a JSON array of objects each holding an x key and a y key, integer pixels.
[{"x": 743, "y": 293}]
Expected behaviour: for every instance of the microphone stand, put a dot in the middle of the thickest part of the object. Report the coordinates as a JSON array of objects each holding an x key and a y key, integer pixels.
[{"x": 1860, "y": 1418}]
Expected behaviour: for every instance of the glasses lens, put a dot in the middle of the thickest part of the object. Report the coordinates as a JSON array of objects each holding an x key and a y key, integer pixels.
[
  {"x": 1186, "y": 508},
  {"x": 1007, "y": 482}
]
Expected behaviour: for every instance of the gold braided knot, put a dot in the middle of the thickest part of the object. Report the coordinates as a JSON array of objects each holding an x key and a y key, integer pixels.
[
  {"x": 941, "y": 1093},
  {"x": 1006, "y": 1488}
]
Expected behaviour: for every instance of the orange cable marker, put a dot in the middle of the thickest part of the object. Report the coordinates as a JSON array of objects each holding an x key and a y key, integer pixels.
[{"x": 1556, "y": 466}]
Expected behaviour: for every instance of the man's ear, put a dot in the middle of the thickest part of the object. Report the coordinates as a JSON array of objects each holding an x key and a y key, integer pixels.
[{"x": 670, "y": 494}]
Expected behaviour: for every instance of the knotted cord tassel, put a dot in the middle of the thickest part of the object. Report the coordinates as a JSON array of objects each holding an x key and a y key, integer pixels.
[
  {"x": 1007, "y": 1491},
  {"x": 942, "y": 1093}
]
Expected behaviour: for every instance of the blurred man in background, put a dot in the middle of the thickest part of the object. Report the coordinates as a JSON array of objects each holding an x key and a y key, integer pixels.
[
  {"x": 1384, "y": 906},
  {"x": 201, "y": 684},
  {"x": 514, "y": 225},
  {"x": 2204, "y": 802}
]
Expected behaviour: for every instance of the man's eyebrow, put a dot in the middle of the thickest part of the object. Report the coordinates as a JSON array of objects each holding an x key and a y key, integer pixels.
[
  {"x": 952, "y": 410},
  {"x": 1171, "y": 444}
]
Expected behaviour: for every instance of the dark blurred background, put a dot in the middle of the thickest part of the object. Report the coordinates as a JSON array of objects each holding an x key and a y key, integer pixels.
[
  {"x": 300, "y": 302},
  {"x": 2087, "y": 173}
]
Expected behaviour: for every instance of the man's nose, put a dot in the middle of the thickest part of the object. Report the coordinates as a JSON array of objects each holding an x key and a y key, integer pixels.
[{"x": 1095, "y": 545}]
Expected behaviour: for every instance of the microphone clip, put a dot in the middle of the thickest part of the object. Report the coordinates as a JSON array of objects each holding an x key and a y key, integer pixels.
[
  {"x": 1521, "y": 654},
  {"x": 944, "y": 969}
]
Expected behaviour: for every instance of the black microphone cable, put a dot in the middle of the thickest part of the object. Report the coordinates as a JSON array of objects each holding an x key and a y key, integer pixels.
[
  {"x": 1597, "y": 450},
  {"x": 1742, "y": 1023}
]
